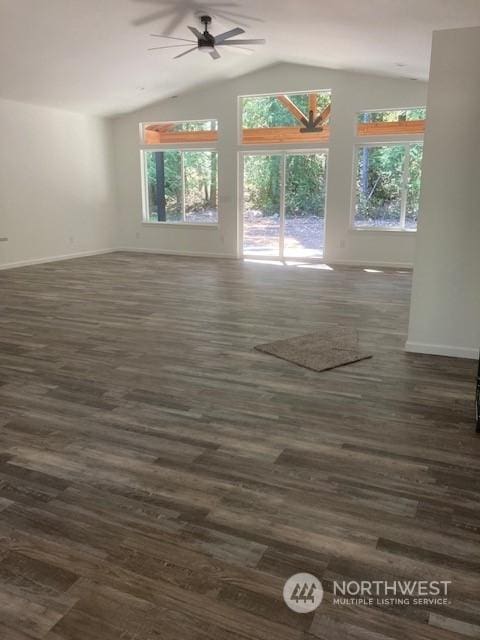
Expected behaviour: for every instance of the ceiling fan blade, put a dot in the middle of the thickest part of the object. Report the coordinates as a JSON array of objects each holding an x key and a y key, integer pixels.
[
  {"x": 185, "y": 52},
  {"x": 175, "y": 21},
  {"x": 245, "y": 51},
  {"x": 157, "y": 15},
  {"x": 215, "y": 55},
  {"x": 161, "y": 35},
  {"x": 196, "y": 32},
  {"x": 229, "y": 34},
  {"x": 227, "y": 14},
  {"x": 167, "y": 46},
  {"x": 255, "y": 41}
]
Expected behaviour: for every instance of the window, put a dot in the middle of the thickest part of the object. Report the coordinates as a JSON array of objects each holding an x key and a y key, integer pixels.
[
  {"x": 387, "y": 185},
  {"x": 181, "y": 186},
  {"x": 393, "y": 122},
  {"x": 180, "y": 171},
  {"x": 190, "y": 131},
  {"x": 286, "y": 118}
]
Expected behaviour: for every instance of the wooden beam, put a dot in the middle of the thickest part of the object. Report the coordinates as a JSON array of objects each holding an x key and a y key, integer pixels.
[
  {"x": 402, "y": 127},
  {"x": 278, "y": 135},
  {"x": 294, "y": 110},
  {"x": 152, "y": 132},
  {"x": 312, "y": 103},
  {"x": 160, "y": 126},
  {"x": 151, "y": 137},
  {"x": 169, "y": 137},
  {"x": 190, "y": 136},
  {"x": 325, "y": 115}
]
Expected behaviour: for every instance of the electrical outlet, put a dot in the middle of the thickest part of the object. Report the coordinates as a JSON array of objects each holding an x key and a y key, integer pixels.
[
  {"x": 137, "y": 236},
  {"x": 342, "y": 244},
  {"x": 71, "y": 239}
]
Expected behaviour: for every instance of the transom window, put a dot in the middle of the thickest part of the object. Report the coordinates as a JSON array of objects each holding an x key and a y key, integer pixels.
[
  {"x": 184, "y": 132},
  {"x": 387, "y": 185},
  {"x": 391, "y": 122},
  {"x": 286, "y": 118}
]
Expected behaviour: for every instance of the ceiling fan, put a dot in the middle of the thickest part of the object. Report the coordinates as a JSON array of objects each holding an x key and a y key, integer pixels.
[{"x": 207, "y": 42}]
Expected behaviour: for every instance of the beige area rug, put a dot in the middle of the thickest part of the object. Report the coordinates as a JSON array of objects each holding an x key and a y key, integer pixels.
[{"x": 318, "y": 351}]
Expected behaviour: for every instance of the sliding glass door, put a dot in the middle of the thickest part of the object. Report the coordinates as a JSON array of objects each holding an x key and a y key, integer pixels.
[
  {"x": 284, "y": 204},
  {"x": 262, "y": 204}
]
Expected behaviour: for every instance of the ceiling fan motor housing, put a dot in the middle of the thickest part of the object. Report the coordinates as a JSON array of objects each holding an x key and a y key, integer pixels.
[{"x": 207, "y": 41}]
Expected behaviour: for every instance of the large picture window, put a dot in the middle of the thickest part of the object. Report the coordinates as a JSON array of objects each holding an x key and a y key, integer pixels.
[
  {"x": 181, "y": 186},
  {"x": 387, "y": 186}
]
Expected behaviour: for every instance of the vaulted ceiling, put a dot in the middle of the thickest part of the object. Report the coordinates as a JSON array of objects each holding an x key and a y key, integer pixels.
[{"x": 91, "y": 55}]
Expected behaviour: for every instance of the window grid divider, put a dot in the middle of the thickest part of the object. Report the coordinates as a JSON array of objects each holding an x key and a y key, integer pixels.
[
  {"x": 182, "y": 169},
  {"x": 405, "y": 181}
]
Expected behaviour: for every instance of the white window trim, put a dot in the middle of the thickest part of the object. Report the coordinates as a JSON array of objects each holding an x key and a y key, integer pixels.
[
  {"x": 145, "y": 199},
  {"x": 381, "y": 141}
]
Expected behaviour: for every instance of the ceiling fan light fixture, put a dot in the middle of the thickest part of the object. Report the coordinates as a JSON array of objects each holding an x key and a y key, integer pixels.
[{"x": 206, "y": 48}]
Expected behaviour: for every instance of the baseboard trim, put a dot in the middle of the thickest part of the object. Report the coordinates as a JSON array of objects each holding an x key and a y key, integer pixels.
[
  {"x": 199, "y": 254},
  {"x": 369, "y": 263},
  {"x": 442, "y": 350},
  {"x": 68, "y": 256},
  {"x": 174, "y": 252}
]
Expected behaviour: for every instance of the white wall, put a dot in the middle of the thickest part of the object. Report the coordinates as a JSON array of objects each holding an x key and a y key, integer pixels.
[
  {"x": 350, "y": 93},
  {"x": 445, "y": 307},
  {"x": 56, "y": 184}
]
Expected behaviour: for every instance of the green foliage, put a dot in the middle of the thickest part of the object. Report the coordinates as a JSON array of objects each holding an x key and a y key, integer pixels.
[
  {"x": 196, "y": 185},
  {"x": 379, "y": 180},
  {"x": 414, "y": 184},
  {"x": 262, "y": 183},
  {"x": 268, "y": 111},
  {"x": 419, "y": 113},
  {"x": 379, "y": 183},
  {"x": 304, "y": 189},
  {"x": 305, "y": 185},
  {"x": 196, "y": 125}
]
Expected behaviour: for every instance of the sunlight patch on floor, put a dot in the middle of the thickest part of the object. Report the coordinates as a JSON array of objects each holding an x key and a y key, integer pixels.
[{"x": 291, "y": 263}]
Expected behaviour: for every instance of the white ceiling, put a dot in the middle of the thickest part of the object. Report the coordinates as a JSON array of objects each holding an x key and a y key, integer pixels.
[{"x": 91, "y": 55}]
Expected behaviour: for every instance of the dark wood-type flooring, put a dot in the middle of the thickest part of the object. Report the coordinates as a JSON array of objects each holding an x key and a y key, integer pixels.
[{"x": 160, "y": 479}]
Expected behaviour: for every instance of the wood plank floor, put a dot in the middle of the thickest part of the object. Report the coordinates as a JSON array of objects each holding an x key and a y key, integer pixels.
[{"x": 160, "y": 479}]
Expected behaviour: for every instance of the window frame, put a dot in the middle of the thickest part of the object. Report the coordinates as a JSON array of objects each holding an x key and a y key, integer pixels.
[
  {"x": 382, "y": 141},
  {"x": 181, "y": 148}
]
